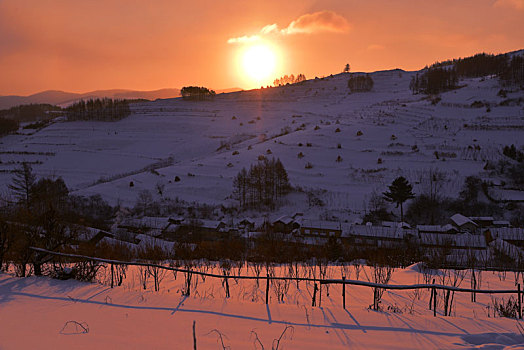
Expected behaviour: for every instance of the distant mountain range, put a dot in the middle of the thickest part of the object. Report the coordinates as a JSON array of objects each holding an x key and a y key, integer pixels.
[{"x": 56, "y": 97}]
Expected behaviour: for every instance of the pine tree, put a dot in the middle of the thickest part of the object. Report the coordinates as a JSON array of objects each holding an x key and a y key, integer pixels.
[{"x": 400, "y": 191}]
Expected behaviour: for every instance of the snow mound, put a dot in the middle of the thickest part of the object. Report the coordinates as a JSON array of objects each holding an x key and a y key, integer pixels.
[
  {"x": 495, "y": 341},
  {"x": 421, "y": 268}
]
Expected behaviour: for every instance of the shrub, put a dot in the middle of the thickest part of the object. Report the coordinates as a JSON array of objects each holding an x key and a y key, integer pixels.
[
  {"x": 508, "y": 308},
  {"x": 7, "y": 126}
]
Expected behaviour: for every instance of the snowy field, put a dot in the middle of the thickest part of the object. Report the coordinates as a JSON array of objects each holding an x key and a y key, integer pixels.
[
  {"x": 34, "y": 311},
  {"x": 381, "y": 134}
]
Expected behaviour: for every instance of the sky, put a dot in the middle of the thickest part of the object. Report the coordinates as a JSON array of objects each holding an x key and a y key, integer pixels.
[{"x": 80, "y": 46}]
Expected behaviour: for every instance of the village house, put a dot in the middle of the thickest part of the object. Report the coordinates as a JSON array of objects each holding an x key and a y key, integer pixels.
[
  {"x": 285, "y": 224},
  {"x": 438, "y": 229},
  {"x": 512, "y": 235},
  {"x": 321, "y": 228},
  {"x": 464, "y": 224}
]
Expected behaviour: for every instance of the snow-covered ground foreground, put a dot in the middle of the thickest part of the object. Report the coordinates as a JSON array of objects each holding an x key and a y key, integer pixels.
[{"x": 34, "y": 310}]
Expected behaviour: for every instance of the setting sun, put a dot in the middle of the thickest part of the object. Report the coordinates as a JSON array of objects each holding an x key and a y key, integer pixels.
[{"x": 258, "y": 63}]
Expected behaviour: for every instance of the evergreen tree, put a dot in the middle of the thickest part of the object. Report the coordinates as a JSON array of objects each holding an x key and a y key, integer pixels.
[{"x": 400, "y": 191}]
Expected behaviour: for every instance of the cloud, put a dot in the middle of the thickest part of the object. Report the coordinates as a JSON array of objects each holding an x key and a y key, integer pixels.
[
  {"x": 517, "y": 4},
  {"x": 244, "y": 39},
  {"x": 317, "y": 22}
]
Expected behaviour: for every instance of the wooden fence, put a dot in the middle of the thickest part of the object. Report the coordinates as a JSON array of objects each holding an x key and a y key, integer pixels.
[{"x": 225, "y": 277}]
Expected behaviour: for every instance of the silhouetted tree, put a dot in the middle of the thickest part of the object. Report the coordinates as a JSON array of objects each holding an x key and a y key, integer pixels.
[
  {"x": 360, "y": 83},
  {"x": 31, "y": 112},
  {"x": 400, "y": 191},
  {"x": 196, "y": 93},
  {"x": 7, "y": 126},
  {"x": 50, "y": 193},
  {"x": 289, "y": 79},
  {"x": 22, "y": 184},
  {"x": 264, "y": 183},
  {"x": 105, "y": 109},
  {"x": 347, "y": 68}
]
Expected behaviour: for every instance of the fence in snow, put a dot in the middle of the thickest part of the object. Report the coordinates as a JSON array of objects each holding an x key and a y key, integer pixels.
[{"x": 225, "y": 277}]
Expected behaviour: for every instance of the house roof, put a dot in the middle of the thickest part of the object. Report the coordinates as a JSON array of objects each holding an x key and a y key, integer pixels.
[
  {"x": 321, "y": 225},
  {"x": 460, "y": 220},
  {"x": 396, "y": 224},
  {"x": 286, "y": 220},
  {"x": 146, "y": 221},
  {"x": 211, "y": 223},
  {"x": 436, "y": 228},
  {"x": 507, "y": 233},
  {"x": 501, "y": 223},
  {"x": 463, "y": 240},
  {"x": 482, "y": 218},
  {"x": 377, "y": 231}
]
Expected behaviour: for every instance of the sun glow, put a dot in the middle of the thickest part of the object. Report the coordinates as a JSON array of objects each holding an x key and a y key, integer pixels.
[{"x": 258, "y": 64}]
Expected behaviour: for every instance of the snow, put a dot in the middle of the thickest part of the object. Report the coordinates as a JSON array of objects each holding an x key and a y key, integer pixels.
[
  {"x": 461, "y": 220},
  {"x": 35, "y": 311},
  {"x": 507, "y": 233},
  {"x": 205, "y": 147}
]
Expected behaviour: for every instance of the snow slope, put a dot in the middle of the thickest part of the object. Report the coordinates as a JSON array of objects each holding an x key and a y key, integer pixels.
[
  {"x": 178, "y": 138},
  {"x": 33, "y": 312}
]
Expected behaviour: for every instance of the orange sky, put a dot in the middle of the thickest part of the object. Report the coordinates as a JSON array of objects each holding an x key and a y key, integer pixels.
[{"x": 145, "y": 45}]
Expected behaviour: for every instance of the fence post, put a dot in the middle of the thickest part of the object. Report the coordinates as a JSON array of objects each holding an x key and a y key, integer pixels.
[
  {"x": 112, "y": 274},
  {"x": 434, "y": 301},
  {"x": 227, "y": 286},
  {"x": 520, "y": 303},
  {"x": 320, "y": 295},
  {"x": 447, "y": 305},
  {"x": 431, "y": 295},
  {"x": 473, "y": 284},
  {"x": 344, "y": 292},
  {"x": 267, "y": 288},
  {"x": 314, "y": 302},
  {"x": 194, "y": 336}
]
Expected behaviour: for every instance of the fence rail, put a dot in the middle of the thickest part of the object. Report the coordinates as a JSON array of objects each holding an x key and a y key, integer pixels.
[{"x": 433, "y": 286}]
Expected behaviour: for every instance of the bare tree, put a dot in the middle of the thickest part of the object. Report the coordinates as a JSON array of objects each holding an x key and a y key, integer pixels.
[{"x": 22, "y": 184}]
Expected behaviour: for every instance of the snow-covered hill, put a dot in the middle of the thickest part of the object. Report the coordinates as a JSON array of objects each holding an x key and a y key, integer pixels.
[{"x": 378, "y": 135}]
